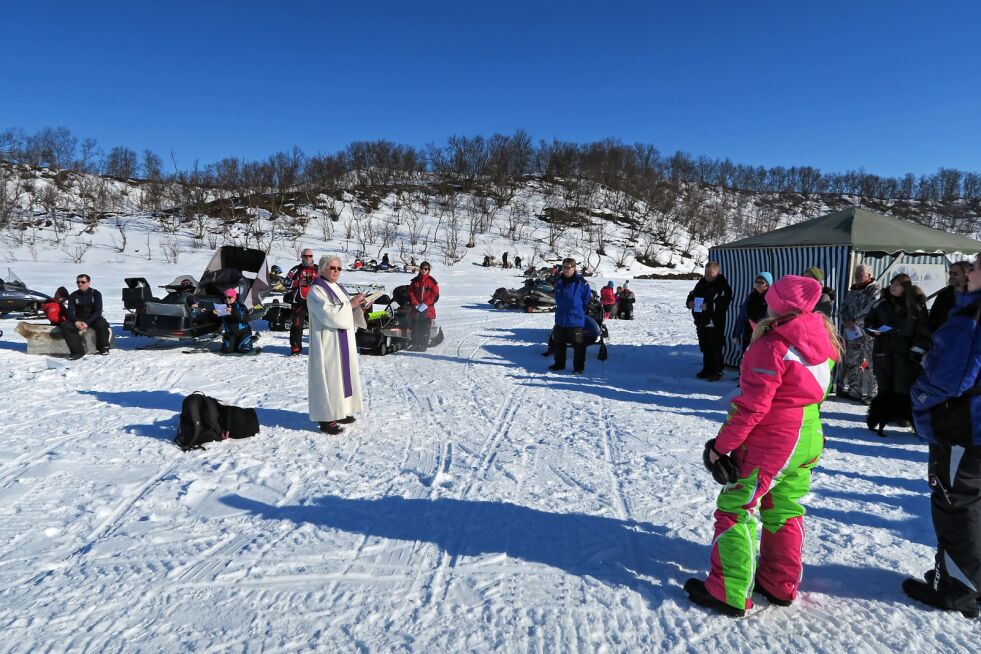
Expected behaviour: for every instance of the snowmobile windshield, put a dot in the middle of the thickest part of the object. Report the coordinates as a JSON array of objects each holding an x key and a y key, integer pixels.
[{"x": 12, "y": 279}]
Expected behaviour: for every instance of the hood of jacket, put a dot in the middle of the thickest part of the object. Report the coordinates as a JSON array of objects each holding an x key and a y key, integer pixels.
[{"x": 807, "y": 334}]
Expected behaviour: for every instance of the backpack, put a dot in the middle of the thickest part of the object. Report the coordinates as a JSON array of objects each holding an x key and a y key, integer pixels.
[{"x": 204, "y": 419}]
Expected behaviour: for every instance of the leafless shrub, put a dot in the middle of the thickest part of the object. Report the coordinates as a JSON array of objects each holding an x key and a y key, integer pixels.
[
  {"x": 171, "y": 250},
  {"x": 76, "y": 253}
]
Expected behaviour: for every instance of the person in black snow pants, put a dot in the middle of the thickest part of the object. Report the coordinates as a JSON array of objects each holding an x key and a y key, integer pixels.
[
  {"x": 900, "y": 325},
  {"x": 572, "y": 295},
  {"x": 946, "y": 404},
  {"x": 84, "y": 311},
  {"x": 709, "y": 303},
  {"x": 754, "y": 309},
  {"x": 298, "y": 282},
  {"x": 236, "y": 332}
]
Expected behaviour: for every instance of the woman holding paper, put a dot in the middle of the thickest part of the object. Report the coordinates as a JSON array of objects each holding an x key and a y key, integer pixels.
[
  {"x": 236, "y": 332},
  {"x": 900, "y": 324},
  {"x": 333, "y": 375},
  {"x": 423, "y": 296}
]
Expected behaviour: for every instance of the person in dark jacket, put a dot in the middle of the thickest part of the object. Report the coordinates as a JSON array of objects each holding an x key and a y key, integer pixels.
[
  {"x": 298, "y": 282},
  {"x": 947, "y": 297},
  {"x": 946, "y": 402},
  {"x": 423, "y": 296},
  {"x": 55, "y": 309},
  {"x": 828, "y": 295},
  {"x": 901, "y": 327},
  {"x": 84, "y": 311},
  {"x": 236, "y": 332},
  {"x": 709, "y": 303},
  {"x": 753, "y": 310},
  {"x": 572, "y": 295}
]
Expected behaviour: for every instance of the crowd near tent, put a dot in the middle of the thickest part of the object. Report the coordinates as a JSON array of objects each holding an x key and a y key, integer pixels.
[{"x": 837, "y": 243}]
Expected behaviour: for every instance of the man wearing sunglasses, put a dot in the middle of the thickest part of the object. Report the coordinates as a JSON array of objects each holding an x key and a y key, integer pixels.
[
  {"x": 572, "y": 295},
  {"x": 299, "y": 280},
  {"x": 84, "y": 311}
]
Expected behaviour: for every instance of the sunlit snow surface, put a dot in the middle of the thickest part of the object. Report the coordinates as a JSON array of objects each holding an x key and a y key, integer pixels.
[{"x": 481, "y": 503}]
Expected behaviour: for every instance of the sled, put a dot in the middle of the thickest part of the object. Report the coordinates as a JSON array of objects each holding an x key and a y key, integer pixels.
[{"x": 188, "y": 316}]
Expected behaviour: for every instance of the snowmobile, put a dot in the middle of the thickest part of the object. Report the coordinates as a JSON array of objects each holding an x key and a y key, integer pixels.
[
  {"x": 279, "y": 315},
  {"x": 390, "y": 328},
  {"x": 187, "y": 313},
  {"x": 534, "y": 295},
  {"x": 15, "y": 296}
]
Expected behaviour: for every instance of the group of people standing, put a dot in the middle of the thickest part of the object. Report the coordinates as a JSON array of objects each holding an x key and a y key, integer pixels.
[{"x": 772, "y": 439}]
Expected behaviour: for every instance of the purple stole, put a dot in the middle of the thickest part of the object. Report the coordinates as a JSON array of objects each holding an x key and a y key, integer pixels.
[{"x": 342, "y": 335}]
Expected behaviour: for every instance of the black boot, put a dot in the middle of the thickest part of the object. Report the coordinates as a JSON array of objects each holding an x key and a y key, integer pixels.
[
  {"x": 346, "y": 421},
  {"x": 773, "y": 599},
  {"x": 331, "y": 428},
  {"x": 925, "y": 593},
  {"x": 698, "y": 594}
]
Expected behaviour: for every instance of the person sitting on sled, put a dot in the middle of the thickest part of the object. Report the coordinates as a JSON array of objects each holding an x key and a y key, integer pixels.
[
  {"x": 765, "y": 451},
  {"x": 235, "y": 329}
]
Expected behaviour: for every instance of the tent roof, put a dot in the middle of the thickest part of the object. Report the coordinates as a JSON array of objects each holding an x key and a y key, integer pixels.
[{"x": 865, "y": 232}]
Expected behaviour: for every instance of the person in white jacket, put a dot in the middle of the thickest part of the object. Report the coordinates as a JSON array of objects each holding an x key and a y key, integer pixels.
[{"x": 334, "y": 379}]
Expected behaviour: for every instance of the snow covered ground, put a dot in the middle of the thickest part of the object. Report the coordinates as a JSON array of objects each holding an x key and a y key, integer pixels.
[{"x": 481, "y": 503}]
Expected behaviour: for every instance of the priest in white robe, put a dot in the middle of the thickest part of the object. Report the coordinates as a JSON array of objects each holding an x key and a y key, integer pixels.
[{"x": 334, "y": 380}]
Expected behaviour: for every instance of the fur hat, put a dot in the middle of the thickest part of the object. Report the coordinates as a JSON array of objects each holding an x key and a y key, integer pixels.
[
  {"x": 814, "y": 273},
  {"x": 792, "y": 293},
  {"x": 766, "y": 277},
  {"x": 231, "y": 293}
]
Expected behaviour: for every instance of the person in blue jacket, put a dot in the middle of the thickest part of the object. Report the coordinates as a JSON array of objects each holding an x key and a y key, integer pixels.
[
  {"x": 236, "y": 332},
  {"x": 572, "y": 295},
  {"x": 946, "y": 401}
]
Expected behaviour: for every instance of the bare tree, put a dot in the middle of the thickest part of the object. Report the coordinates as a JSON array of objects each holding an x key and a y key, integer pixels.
[{"x": 76, "y": 253}]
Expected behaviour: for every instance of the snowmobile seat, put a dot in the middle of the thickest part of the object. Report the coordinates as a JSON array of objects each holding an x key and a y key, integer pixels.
[{"x": 137, "y": 293}]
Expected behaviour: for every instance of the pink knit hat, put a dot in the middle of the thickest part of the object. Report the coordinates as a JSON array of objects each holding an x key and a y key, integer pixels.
[
  {"x": 793, "y": 293},
  {"x": 231, "y": 293}
]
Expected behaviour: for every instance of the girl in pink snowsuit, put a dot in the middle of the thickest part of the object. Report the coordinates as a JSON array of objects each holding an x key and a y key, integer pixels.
[{"x": 773, "y": 435}]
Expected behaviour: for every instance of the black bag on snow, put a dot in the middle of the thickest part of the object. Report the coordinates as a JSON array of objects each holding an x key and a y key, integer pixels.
[{"x": 204, "y": 419}]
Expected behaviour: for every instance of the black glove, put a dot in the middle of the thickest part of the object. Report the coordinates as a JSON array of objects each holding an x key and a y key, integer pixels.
[
  {"x": 724, "y": 470},
  {"x": 915, "y": 357}
]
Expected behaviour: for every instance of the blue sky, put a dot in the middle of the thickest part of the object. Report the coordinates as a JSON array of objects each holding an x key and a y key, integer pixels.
[{"x": 889, "y": 86}]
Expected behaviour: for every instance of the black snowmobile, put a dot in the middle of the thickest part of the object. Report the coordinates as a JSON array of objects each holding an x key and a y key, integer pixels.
[
  {"x": 186, "y": 313},
  {"x": 279, "y": 315},
  {"x": 534, "y": 295},
  {"x": 390, "y": 327},
  {"x": 16, "y": 297}
]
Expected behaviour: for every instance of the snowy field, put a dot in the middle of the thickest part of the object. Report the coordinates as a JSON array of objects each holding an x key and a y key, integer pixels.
[{"x": 481, "y": 504}]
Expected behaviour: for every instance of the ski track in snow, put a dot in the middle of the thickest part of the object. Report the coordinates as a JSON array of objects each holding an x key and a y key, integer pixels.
[{"x": 481, "y": 503}]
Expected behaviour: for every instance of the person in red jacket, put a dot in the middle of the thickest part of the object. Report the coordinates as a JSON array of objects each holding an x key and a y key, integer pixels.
[
  {"x": 765, "y": 451},
  {"x": 298, "y": 282},
  {"x": 423, "y": 295},
  {"x": 608, "y": 298},
  {"x": 54, "y": 308}
]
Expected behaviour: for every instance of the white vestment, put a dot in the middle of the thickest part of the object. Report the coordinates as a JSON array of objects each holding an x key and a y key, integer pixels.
[{"x": 334, "y": 380}]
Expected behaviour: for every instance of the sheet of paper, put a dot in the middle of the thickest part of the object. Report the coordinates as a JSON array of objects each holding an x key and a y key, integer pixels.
[
  {"x": 853, "y": 333},
  {"x": 699, "y": 304},
  {"x": 221, "y": 309}
]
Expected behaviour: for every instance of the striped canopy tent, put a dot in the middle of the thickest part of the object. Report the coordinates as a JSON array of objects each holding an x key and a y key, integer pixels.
[{"x": 836, "y": 243}]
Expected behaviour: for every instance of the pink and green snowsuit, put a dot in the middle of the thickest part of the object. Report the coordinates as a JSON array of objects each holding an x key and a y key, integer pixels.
[{"x": 774, "y": 435}]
